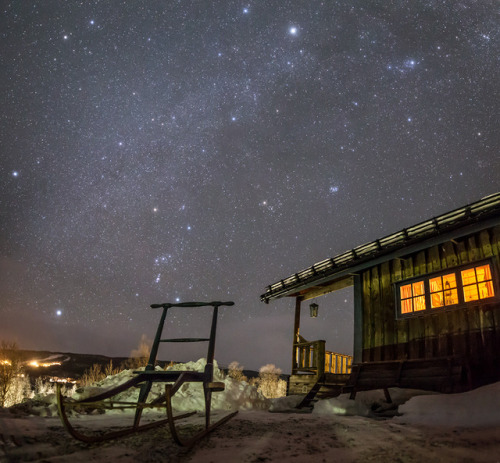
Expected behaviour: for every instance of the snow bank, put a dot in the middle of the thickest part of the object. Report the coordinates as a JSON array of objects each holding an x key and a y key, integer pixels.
[
  {"x": 480, "y": 407},
  {"x": 367, "y": 403},
  {"x": 236, "y": 395}
]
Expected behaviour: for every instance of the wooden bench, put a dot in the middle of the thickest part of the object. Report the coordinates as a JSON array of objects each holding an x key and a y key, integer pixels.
[{"x": 448, "y": 374}]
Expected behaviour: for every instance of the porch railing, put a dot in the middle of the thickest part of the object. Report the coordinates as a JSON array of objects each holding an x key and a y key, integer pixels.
[
  {"x": 339, "y": 364},
  {"x": 312, "y": 358}
]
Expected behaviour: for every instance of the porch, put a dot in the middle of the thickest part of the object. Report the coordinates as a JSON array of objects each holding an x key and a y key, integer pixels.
[{"x": 314, "y": 366}]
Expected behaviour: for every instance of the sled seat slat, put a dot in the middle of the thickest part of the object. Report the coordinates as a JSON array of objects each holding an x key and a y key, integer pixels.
[{"x": 168, "y": 376}]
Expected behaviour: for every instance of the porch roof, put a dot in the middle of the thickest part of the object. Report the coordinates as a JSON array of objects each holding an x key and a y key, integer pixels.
[{"x": 336, "y": 272}]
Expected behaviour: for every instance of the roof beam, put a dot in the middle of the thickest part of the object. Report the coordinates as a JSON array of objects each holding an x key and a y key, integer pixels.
[{"x": 318, "y": 291}]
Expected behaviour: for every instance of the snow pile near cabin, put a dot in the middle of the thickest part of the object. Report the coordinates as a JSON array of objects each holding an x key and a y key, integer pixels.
[
  {"x": 477, "y": 408},
  {"x": 236, "y": 395},
  {"x": 367, "y": 403}
]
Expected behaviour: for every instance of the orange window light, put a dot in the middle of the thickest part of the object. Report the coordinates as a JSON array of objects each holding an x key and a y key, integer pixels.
[
  {"x": 443, "y": 290},
  {"x": 412, "y": 297},
  {"x": 478, "y": 283}
]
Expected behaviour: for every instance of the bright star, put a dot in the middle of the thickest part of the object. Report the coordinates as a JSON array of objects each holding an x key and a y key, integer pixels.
[
  {"x": 245, "y": 10},
  {"x": 293, "y": 30},
  {"x": 15, "y": 173},
  {"x": 92, "y": 22},
  {"x": 58, "y": 312},
  {"x": 410, "y": 63}
]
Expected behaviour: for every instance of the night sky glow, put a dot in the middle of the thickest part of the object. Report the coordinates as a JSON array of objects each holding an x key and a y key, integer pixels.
[{"x": 174, "y": 151}]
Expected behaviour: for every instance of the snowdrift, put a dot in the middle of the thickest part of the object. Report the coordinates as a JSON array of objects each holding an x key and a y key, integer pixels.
[
  {"x": 476, "y": 408},
  {"x": 236, "y": 396}
]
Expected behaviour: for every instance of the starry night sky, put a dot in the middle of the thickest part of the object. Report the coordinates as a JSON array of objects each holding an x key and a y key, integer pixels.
[{"x": 157, "y": 151}]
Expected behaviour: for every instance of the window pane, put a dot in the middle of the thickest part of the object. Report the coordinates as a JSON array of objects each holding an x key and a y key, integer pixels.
[
  {"x": 419, "y": 303},
  {"x": 418, "y": 288},
  {"x": 450, "y": 281},
  {"x": 470, "y": 293},
  {"x": 451, "y": 297},
  {"x": 437, "y": 300},
  {"x": 436, "y": 284},
  {"x": 486, "y": 290},
  {"x": 405, "y": 291},
  {"x": 406, "y": 306},
  {"x": 483, "y": 273},
  {"x": 468, "y": 276}
]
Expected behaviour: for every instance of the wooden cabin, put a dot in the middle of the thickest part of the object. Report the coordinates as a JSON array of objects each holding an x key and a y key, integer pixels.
[{"x": 426, "y": 308}]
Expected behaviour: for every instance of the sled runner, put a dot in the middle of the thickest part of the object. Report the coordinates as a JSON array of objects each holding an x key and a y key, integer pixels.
[{"x": 144, "y": 380}]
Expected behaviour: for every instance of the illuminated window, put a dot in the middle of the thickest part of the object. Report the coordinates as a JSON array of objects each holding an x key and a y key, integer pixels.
[
  {"x": 477, "y": 283},
  {"x": 413, "y": 297},
  {"x": 443, "y": 290},
  {"x": 452, "y": 287}
]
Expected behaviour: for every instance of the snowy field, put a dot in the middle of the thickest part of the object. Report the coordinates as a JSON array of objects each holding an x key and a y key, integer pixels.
[{"x": 428, "y": 427}]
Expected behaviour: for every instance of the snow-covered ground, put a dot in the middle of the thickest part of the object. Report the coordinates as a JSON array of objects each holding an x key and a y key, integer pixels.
[{"x": 433, "y": 427}]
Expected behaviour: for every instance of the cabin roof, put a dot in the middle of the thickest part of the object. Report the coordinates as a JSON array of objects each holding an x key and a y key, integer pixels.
[{"x": 459, "y": 222}]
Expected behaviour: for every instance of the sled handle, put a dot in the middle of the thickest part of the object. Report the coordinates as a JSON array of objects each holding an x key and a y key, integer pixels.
[{"x": 167, "y": 305}]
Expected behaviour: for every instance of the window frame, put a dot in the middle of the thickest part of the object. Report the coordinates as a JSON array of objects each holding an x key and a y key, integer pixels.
[{"x": 457, "y": 271}]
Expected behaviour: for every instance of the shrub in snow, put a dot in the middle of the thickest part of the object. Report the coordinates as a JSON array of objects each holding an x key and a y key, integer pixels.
[
  {"x": 269, "y": 382},
  {"x": 10, "y": 372},
  {"x": 19, "y": 390},
  {"x": 235, "y": 371},
  {"x": 97, "y": 373},
  {"x": 139, "y": 357}
]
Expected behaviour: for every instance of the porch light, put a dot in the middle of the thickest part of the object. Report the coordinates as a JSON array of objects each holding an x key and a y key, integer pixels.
[{"x": 313, "y": 308}]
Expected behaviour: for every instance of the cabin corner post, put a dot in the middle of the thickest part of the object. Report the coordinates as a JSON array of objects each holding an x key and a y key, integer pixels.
[
  {"x": 358, "y": 319},
  {"x": 296, "y": 330}
]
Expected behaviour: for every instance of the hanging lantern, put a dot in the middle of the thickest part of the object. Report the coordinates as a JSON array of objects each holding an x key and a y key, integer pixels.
[{"x": 314, "y": 309}]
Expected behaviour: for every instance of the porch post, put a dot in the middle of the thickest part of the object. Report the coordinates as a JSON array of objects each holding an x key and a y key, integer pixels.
[
  {"x": 358, "y": 319},
  {"x": 296, "y": 328}
]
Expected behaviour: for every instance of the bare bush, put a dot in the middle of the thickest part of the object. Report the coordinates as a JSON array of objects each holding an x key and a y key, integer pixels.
[
  {"x": 109, "y": 370},
  {"x": 44, "y": 388},
  {"x": 93, "y": 375},
  {"x": 235, "y": 371},
  {"x": 10, "y": 370},
  {"x": 97, "y": 373},
  {"x": 269, "y": 382},
  {"x": 139, "y": 357}
]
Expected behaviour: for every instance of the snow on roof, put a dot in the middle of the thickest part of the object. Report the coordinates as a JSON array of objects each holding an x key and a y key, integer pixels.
[{"x": 487, "y": 208}]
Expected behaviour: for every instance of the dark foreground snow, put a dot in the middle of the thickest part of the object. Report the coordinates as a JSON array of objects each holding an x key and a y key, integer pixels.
[{"x": 430, "y": 427}]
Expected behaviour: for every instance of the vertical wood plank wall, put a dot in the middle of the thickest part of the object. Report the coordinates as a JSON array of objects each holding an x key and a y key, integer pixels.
[{"x": 473, "y": 331}]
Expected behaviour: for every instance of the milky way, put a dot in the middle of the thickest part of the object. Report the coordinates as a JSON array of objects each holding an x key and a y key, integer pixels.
[{"x": 160, "y": 151}]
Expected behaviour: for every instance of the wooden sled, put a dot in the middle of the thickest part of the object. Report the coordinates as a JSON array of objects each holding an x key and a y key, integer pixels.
[{"x": 144, "y": 379}]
